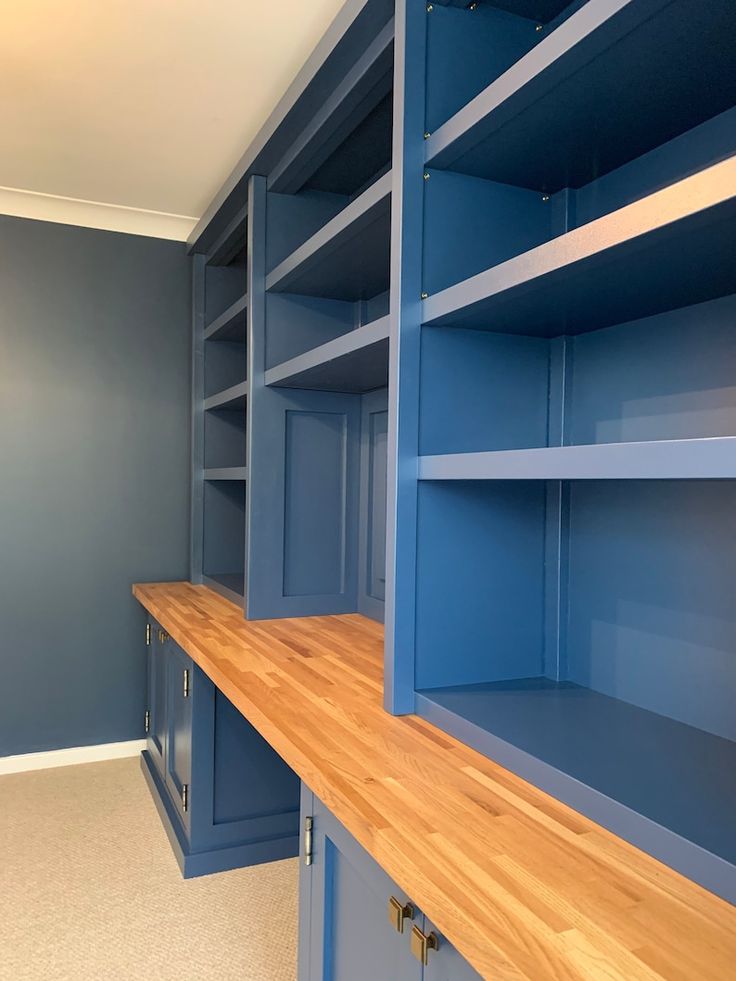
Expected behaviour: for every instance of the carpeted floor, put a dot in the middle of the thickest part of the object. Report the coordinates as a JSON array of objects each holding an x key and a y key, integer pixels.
[{"x": 90, "y": 890}]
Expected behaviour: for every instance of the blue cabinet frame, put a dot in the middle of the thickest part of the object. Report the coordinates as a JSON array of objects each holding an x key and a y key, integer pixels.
[
  {"x": 345, "y": 933},
  {"x": 225, "y": 797}
]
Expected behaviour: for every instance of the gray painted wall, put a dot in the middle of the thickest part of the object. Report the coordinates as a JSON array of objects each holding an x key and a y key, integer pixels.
[{"x": 94, "y": 473}]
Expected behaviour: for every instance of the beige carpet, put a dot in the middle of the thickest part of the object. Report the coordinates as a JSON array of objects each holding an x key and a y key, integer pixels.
[{"x": 90, "y": 890}]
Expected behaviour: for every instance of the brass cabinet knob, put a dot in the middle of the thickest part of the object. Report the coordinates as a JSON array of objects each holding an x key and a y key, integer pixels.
[
  {"x": 398, "y": 912},
  {"x": 422, "y": 943}
]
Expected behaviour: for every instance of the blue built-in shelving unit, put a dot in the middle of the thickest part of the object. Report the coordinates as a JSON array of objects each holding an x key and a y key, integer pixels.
[
  {"x": 303, "y": 426},
  {"x": 464, "y": 349},
  {"x": 562, "y": 451},
  {"x": 220, "y": 396}
]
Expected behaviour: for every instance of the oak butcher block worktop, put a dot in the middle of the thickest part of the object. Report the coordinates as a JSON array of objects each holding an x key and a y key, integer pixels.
[{"x": 522, "y": 885}]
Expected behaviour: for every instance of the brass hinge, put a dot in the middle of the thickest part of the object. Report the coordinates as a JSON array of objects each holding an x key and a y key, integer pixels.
[
  {"x": 185, "y": 797},
  {"x": 186, "y": 683},
  {"x": 308, "y": 831},
  {"x": 148, "y": 635},
  {"x": 147, "y": 721}
]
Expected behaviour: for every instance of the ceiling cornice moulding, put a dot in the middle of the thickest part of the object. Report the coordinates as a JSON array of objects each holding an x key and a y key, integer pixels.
[{"x": 94, "y": 214}]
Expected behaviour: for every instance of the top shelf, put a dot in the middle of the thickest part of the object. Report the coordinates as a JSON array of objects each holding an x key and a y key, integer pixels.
[
  {"x": 231, "y": 242},
  {"x": 614, "y": 80},
  {"x": 348, "y": 258},
  {"x": 632, "y": 263}
]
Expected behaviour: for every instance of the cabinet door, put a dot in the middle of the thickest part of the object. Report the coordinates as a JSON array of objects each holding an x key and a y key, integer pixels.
[
  {"x": 345, "y": 932},
  {"x": 156, "y": 742},
  {"x": 445, "y": 964},
  {"x": 372, "y": 551},
  {"x": 178, "y": 728}
]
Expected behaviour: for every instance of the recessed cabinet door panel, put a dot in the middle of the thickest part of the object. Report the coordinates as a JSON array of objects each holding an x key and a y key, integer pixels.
[
  {"x": 351, "y": 938},
  {"x": 374, "y": 458},
  {"x": 156, "y": 742},
  {"x": 179, "y": 730}
]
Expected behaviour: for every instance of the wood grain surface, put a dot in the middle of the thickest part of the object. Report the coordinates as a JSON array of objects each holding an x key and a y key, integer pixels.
[{"x": 522, "y": 885}]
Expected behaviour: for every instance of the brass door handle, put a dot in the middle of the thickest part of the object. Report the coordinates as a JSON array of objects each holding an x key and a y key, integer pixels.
[
  {"x": 422, "y": 943},
  {"x": 398, "y": 912}
]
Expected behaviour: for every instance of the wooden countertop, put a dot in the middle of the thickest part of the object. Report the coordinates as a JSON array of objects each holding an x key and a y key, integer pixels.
[{"x": 522, "y": 885}]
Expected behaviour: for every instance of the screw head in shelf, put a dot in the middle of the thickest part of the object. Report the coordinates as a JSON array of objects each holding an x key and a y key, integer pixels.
[
  {"x": 545, "y": 198},
  {"x": 539, "y": 27},
  {"x": 430, "y": 8},
  {"x": 425, "y": 295}
]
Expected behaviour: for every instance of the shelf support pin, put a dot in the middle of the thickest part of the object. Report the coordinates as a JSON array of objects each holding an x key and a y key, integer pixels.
[
  {"x": 473, "y": 5},
  {"x": 427, "y": 136},
  {"x": 424, "y": 296},
  {"x": 539, "y": 27},
  {"x": 426, "y": 176},
  {"x": 545, "y": 198},
  {"x": 430, "y": 8}
]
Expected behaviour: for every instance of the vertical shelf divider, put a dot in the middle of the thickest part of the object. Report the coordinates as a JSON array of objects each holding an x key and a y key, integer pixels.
[
  {"x": 407, "y": 224},
  {"x": 254, "y": 572},
  {"x": 196, "y": 542}
]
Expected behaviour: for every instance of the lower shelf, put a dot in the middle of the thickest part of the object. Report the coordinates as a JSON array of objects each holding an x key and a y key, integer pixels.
[
  {"x": 667, "y": 787},
  {"x": 227, "y": 584}
]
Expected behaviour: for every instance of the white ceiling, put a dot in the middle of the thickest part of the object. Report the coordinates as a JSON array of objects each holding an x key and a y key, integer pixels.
[{"x": 145, "y": 104}]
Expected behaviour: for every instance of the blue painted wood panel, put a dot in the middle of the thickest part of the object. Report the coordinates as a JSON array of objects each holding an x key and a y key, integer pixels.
[
  {"x": 315, "y": 500},
  {"x": 471, "y": 225},
  {"x": 348, "y": 897},
  {"x": 178, "y": 727},
  {"x": 564, "y": 117},
  {"x": 243, "y": 800},
  {"x": 668, "y": 377},
  {"x": 343, "y": 898},
  {"x": 651, "y": 612},
  {"x": 157, "y": 696},
  {"x": 480, "y": 584},
  {"x": 304, "y": 510},
  {"x": 250, "y": 781},
  {"x": 482, "y": 391},
  {"x": 224, "y": 528},
  {"x": 372, "y": 551},
  {"x": 466, "y": 50}
]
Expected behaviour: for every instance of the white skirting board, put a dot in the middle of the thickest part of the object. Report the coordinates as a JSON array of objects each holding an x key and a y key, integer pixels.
[{"x": 70, "y": 757}]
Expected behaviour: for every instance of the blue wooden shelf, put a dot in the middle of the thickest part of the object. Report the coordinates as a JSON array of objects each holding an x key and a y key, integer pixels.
[
  {"x": 225, "y": 473},
  {"x": 230, "y": 325},
  {"x": 667, "y": 787},
  {"x": 629, "y": 264},
  {"x": 229, "y": 585},
  {"x": 348, "y": 258},
  {"x": 354, "y": 362},
  {"x": 231, "y": 398},
  {"x": 539, "y": 10},
  {"x": 561, "y": 116},
  {"x": 666, "y": 459}
]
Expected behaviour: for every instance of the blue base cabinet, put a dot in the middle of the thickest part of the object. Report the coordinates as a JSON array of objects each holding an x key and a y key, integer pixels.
[
  {"x": 355, "y": 924},
  {"x": 225, "y": 797}
]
